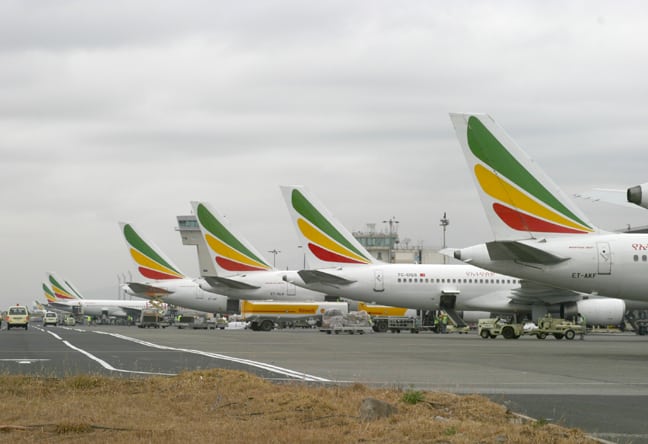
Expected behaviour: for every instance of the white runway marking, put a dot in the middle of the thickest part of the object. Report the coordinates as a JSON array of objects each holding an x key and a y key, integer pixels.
[
  {"x": 23, "y": 360},
  {"x": 261, "y": 365},
  {"x": 103, "y": 363}
]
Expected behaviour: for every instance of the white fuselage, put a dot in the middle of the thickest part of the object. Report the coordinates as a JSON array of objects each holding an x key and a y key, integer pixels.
[
  {"x": 185, "y": 293},
  {"x": 465, "y": 288},
  {"x": 271, "y": 285},
  {"x": 424, "y": 286},
  {"x": 99, "y": 307},
  {"x": 612, "y": 265}
]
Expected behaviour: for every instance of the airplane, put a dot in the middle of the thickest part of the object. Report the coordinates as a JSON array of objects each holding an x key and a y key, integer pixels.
[
  {"x": 238, "y": 269},
  {"x": 539, "y": 233},
  {"x": 344, "y": 268},
  {"x": 62, "y": 295},
  {"x": 166, "y": 282},
  {"x": 37, "y": 309}
]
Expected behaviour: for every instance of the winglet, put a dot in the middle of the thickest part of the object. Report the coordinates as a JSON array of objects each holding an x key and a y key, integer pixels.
[
  {"x": 328, "y": 243},
  {"x": 231, "y": 252},
  {"x": 149, "y": 259},
  {"x": 520, "y": 200}
]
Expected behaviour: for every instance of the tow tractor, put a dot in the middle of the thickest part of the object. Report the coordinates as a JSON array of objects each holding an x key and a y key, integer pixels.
[
  {"x": 493, "y": 327},
  {"x": 558, "y": 327}
]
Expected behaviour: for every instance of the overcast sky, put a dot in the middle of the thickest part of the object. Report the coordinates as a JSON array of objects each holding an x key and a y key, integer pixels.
[{"x": 128, "y": 110}]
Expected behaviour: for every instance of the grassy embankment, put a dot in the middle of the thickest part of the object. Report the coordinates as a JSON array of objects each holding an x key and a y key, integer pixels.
[{"x": 228, "y": 406}]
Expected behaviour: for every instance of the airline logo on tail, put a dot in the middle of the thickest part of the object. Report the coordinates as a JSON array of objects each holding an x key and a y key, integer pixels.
[
  {"x": 520, "y": 200},
  {"x": 324, "y": 240},
  {"x": 49, "y": 294},
  {"x": 149, "y": 262},
  {"x": 231, "y": 254},
  {"x": 60, "y": 289}
]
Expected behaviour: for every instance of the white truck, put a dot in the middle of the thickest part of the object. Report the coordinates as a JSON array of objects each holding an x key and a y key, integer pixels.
[{"x": 264, "y": 315}]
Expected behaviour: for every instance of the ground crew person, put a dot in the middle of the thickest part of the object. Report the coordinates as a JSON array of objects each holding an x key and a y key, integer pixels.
[
  {"x": 582, "y": 322},
  {"x": 444, "y": 323}
]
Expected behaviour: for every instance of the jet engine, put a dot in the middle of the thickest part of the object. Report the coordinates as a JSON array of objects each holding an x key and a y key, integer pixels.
[
  {"x": 599, "y": 311},
  {"x": 638, "y": 195}
]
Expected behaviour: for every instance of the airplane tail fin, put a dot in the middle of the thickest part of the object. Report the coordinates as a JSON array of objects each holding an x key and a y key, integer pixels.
[
  {"x": 520, "y": 200},
  {"x": 326, "y": 241},
  {"x": 49, "y": 294},
  {"x": 231, "y": 252},
  {"x": 149, "y": 259},
  {"x": 61, "y": 289}
]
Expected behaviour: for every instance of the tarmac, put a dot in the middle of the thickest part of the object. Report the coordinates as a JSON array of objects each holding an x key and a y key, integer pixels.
[{"x": 597, "y": 384}]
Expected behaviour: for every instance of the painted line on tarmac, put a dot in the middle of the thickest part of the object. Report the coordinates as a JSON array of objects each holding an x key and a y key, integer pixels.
[
  {"x": 103, "y": 363},
  {"x": 261, "y": 365}
]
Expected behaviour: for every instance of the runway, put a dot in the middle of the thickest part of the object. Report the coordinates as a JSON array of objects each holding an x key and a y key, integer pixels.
[{"x": 598, "y": 384}]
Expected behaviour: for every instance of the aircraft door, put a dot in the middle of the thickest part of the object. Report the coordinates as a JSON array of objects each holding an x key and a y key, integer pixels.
[
  {"x": 604, "y": 258},
  {"x": 291, "y": 289},
  {"x": 447, "y": 301},
  {"x": 379, "y": 280}
]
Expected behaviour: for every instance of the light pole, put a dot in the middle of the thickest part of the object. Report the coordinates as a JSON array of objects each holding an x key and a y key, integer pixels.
[
  {"x": 123, "y": 293},
  {"x": 274, "y": 252},
  {"x": 392, "y": 230},
  {"x": 302, "y": 247},
  {"x": 444, "y": 223}
]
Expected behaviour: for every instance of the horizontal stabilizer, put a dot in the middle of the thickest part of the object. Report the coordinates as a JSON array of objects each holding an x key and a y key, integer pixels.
[
  {"x": 148, "y": 290},
  {"x": 321, "y": 277},
  {"x": 517, "y": 251},
  {"x": 61, "y": 305},
  {"x": 219, "y": 281}
]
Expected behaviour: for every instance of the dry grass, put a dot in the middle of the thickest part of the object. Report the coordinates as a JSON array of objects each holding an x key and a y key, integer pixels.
[{"x": 228, "y": 406}]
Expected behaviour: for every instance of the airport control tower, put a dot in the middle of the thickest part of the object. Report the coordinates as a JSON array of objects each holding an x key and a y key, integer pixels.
[{"x": 190, "y": 234}]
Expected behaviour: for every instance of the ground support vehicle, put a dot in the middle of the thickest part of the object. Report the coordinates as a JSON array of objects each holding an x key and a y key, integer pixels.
[
  {"x": 194, "y": 321},
  {"x": 50, "y": 318},
  {"x": 335, "y": 321},
  {"x": 459, "y": 330},
  {"x": 558, "y": 327},
  {"x": 69, "y": 320},
  {"x": 396, "y": 319},
  {"x": 17, "y": 316},
  {"x": 493, "y": 327},
  {"x": 638, "y": 320},
  {"x": 264, "y": 315},
  {"x": 221, "y": 323},
  {"x": 395, "y": 324},
  {"x": 151, "y": 319}
]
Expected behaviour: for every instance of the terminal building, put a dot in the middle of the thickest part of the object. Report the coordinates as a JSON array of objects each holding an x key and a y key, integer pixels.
[{"x": 387, "y": 247}]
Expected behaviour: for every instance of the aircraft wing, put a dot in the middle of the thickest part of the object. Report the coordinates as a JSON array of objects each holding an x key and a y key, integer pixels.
[
  {"x": 531, "y": 292},
  {"x": 147, "y": 290},
  {"x": 322, "y": 277},
  {"x": 61, "y": 305},
  {"x": 219, "y": 281}
]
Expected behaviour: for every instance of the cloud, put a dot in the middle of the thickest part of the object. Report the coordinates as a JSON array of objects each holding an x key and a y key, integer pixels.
[{"x": 129, "y": 110}]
